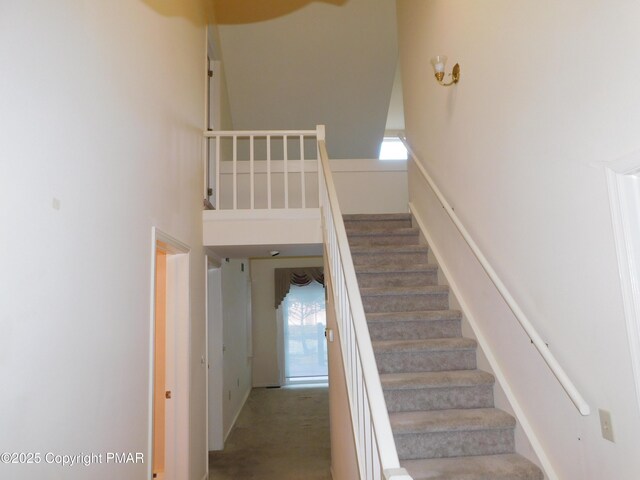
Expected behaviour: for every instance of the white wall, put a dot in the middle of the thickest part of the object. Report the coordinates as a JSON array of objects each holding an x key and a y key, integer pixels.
[
  {"x": 218, "y": 97},
  {"x": 220, "y": 110},
  {"x": 296, "y": 64},
  {"x": 266, "y": 371},
  {"x": 344, "y": 463},
  {"x": 102, "y": 114},
  {"x": 371, "y": 186},
  {"x": 515, "y": 148},
  {"x": 395, "y": 115},
  {"x": 236, "y": 311}
]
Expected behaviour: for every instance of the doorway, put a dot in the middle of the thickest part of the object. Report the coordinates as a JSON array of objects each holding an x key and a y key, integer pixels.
[
  {"x": 305, "y": 349},
  {"x": 160, "y": 364},
  {"x": 169, "y": 372},
  {"x": 213, "y": 282}
]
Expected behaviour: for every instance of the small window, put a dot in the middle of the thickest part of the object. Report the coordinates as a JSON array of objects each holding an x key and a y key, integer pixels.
[{"x": 392, "y": 148}]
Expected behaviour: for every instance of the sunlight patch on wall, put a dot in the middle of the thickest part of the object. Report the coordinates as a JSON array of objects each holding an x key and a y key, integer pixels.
[{"x": 392, "y": 148}]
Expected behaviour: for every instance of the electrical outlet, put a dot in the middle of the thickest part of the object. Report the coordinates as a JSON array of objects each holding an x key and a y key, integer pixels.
[{"x": 605, "y": 425}]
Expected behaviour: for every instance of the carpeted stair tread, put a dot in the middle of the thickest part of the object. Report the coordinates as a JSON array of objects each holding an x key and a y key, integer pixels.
[
  {"x": 405, "y": 291},
  {"x": 438, "y": 390},
  {"x": 414, "y": 316},
  {"x": 508, "y": 466},
  {"x": 384, "y": 254},
  {"x": 382, "y": 249},
  {"x": 380, "y": 217},
  {"x": 362, "y": 236},
  {"x": 394, "y": 268},
  {"x": 424, "y": 345},
  {"x": 383, "y": 232},
  {"x": 447, "y": 379},
  {"x": 450, "y": 420},
  {"x": 381, "y": 274},
  {"x": 365, "y": 235},
  {"x": 414, "y": 325}
]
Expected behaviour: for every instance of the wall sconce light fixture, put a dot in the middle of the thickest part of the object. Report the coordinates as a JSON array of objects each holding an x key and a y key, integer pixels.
[{"x": 439, "y": 63}]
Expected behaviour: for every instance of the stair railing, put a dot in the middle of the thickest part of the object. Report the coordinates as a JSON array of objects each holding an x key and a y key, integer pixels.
[
  {"x": 375, "y": 446},
  {"x": 555, "y": 367},
  {"x": 263, "y": 166}
]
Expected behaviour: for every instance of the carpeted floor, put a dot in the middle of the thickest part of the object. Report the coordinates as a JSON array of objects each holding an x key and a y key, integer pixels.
[{"x": 280, "y": 434}]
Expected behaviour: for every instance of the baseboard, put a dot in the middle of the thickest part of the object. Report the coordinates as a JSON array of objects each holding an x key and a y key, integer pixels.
[
  {"x": 235, "y": 419},
  {"x": 488, "y": 352},
  {"x": 267, "y": 385}
]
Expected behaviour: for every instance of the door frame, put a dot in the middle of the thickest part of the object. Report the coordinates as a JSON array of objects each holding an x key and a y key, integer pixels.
[
  {"x": 177, "y": 311},
  {"x": 214, "y": 336},
  {"x": 623, "y": 180}
]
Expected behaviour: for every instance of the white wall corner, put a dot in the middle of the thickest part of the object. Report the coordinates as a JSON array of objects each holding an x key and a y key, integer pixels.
[
  {"x": 235, "y": 419},
  {"x": 213, "y": 259}
]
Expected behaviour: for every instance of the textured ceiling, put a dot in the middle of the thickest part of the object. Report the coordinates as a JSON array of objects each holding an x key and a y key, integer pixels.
[{"x": 330, "y": 63}]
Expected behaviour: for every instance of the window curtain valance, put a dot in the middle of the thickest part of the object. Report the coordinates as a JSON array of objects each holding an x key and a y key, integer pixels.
[{"x": 285, "y": 277}]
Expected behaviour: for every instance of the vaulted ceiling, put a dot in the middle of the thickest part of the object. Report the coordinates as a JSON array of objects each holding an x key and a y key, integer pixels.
[{"x": 292, "y": 64}]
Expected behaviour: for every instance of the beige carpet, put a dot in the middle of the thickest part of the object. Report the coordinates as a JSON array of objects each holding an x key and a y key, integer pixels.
[{"x": 280, "y": 434}]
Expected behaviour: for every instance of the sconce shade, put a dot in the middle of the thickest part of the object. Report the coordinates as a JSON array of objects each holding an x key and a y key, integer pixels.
[{"x": 439, "y": 62}]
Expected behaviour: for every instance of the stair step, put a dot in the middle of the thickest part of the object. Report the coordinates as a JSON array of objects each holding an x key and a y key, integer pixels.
[
  {"x": 382, "y": 268},
  {"x": 437, "y": 390},
  {"x": 403, "y": 299},
  {"x": 389, "y": 254},
  {"x": 379, "y": 230},
  {"x": 430, "y": 355},
  {"x": 381, "y": 249},
  {"x": 452, "y": 433},
  {"x": 350, "y": 217},
  {"x": 401, "y": 220},
  {"x": 428, "y": 345},
  {"x": 509, "y": 466},
  {"x": 386, "y": 236},
  {"x": 390, "y": 275},
  {"x": 414, "y": 325},
  {"x": 450, "y": 420},
  {"x": 414, "y": 316}
]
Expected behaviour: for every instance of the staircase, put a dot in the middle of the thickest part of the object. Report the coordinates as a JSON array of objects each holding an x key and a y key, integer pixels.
[{"x": 440, "y": 405}]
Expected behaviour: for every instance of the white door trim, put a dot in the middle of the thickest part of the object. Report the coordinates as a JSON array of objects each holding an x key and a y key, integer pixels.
[
  {"x": 178, "y": 268},
  {"x": 215, "y": 371},
  {"x": 623, "y": 179}
]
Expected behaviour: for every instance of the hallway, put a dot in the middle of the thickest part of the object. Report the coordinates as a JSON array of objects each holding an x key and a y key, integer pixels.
[{"x": 281, "y": 433}]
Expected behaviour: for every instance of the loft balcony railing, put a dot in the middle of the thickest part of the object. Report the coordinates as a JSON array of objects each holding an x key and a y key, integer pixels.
[{"x": 252, "y": 170}]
